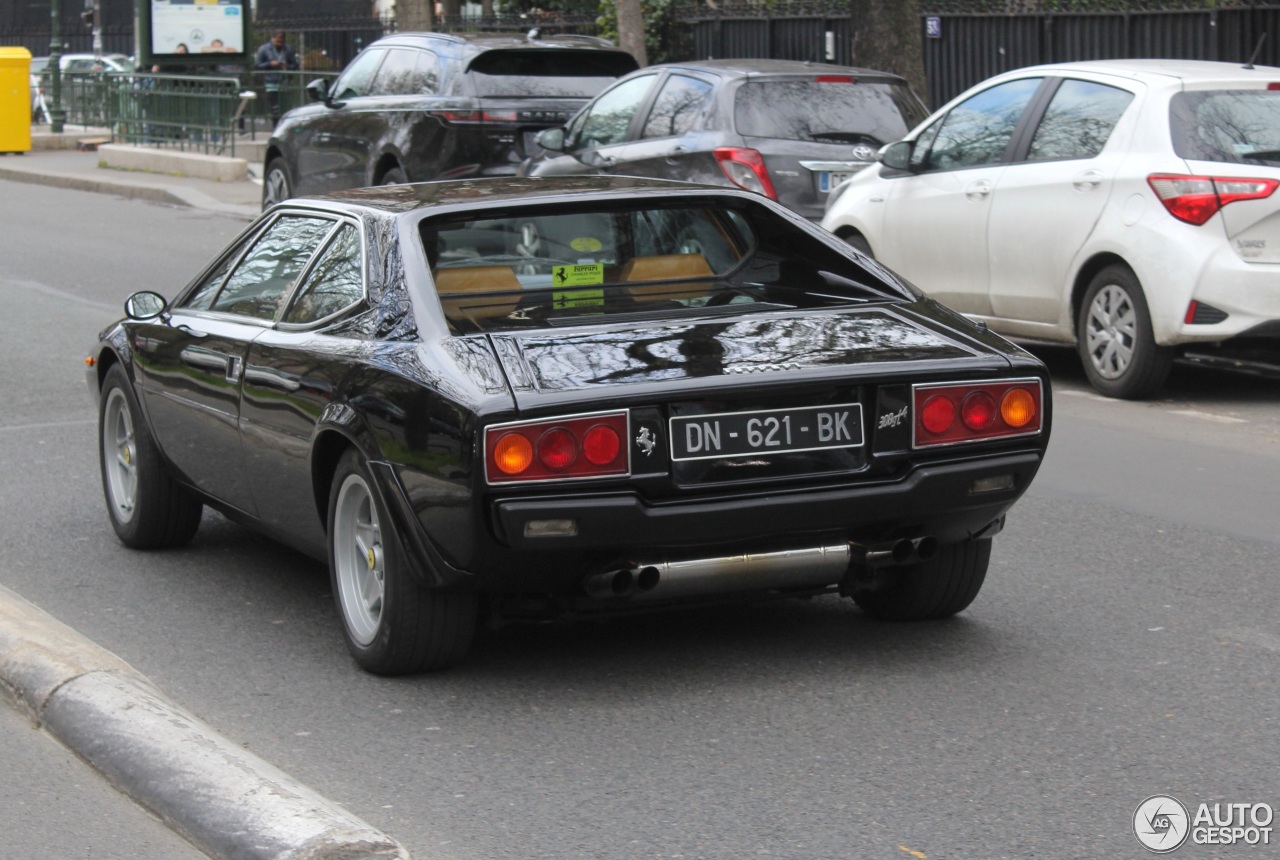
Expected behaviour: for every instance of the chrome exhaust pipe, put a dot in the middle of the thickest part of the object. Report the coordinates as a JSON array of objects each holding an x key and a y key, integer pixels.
[{"x": 808, "y": 567}]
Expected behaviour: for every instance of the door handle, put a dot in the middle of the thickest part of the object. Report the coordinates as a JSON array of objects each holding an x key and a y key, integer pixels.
[
  {"x": 607, "y": 161},
  {"x": 674, "y": 154},
  {"x": 1087, "y": 181},
  {"x": 206, "y": 359},
  {"x": 978, "y": 190}
]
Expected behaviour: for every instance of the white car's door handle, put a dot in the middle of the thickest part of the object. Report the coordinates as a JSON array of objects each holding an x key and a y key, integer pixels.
[
  {"x": 1087, "y": 181},
  {"x": 978, "y": 190}
]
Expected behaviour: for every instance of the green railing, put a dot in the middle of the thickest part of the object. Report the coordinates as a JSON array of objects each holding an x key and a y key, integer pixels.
[
  {"x": 191, "y": 112},
  {"x": 179, "y": 111}
]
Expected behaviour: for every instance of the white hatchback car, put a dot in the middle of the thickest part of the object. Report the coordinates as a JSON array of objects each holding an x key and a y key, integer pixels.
[{"x": 1126, "y": 206}]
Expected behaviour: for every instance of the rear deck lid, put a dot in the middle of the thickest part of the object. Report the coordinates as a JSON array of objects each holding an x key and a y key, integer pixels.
[{"x": 710, "y": 357}]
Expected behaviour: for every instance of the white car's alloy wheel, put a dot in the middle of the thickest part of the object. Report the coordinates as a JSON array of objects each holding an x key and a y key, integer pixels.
[{"x": 1110, "y": 331}]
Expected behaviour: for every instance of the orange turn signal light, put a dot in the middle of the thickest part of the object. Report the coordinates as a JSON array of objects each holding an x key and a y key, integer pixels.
[{"x": 513, "y": 454}]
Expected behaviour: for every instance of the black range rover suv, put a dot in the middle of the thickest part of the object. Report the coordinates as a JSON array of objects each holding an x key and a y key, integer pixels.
[{"x": 418, "y": 106}]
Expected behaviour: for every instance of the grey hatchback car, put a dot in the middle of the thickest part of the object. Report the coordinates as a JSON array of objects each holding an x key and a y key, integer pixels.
[{"x": 789, "y": 130}]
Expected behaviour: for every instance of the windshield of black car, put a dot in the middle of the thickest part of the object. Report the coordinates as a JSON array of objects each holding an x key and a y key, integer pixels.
[
  {"x": 552, "y": 73},
  {"x": 555, "y": 265},
  {"x": 826, "y": 109},
  {"x": 1233, "y": 126}
]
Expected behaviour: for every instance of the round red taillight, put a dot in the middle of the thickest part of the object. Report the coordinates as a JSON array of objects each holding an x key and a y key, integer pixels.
[
  {"x": 513, "y": 454},
  {"x": 978, "y": 410},
  {"x": 600, "y": 445},
  {"x": 557, "y": 449},
  {"x": 938, "y": 414}
]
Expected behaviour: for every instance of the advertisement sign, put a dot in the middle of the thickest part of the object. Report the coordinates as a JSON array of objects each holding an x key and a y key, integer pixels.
[{"x": 197, "y": 31}]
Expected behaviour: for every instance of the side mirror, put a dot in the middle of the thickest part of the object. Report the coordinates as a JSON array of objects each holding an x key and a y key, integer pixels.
[
  {"x": 318, "y": 90},
  {"x": 145, "y": 305},
  {"x": 551, "y": 139},
  {"x": 897, "y": 156}
]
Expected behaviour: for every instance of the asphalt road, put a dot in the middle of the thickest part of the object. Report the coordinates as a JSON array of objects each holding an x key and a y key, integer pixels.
[{"x": 1125, "y": 644}]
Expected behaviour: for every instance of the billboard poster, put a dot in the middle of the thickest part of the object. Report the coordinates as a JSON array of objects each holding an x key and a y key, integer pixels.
[{"x": 199, "y": 27}]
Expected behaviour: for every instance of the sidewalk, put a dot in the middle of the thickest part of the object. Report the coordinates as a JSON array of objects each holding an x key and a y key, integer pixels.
[
  {"x": 54, "y": 160},
  {"x": 224, "y": 800}
]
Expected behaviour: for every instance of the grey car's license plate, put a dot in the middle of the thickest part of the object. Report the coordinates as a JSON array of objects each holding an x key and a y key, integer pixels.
[{"x": 733, "y": 434}]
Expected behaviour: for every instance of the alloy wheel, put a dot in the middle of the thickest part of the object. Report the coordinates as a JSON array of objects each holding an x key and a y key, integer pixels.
[
  {"x": 120, "y": 456},
  {"x": 358, "y": 559},
  {"x": 1111, "y": 331},
  {"x": 277, "y": 188}
]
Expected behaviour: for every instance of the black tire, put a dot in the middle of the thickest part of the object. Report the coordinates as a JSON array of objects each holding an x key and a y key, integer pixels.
[
  {"x": 392, "y": 623},
  {"x": 394, "y": 176},
  {"x": 859, "y": 243},
  {"x": 1114, "y": 337},
  {"x": 147, "y": 507},
  {"x": 276, "y": 184},
  {"x": 936, "y": 588}
]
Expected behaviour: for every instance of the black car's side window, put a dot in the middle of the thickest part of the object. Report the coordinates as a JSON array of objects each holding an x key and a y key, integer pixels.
[
  {"x": 1078, "y": 121},
  {"x": 679, "y": 104},
  {"x": 334, "y": 283},
  {"x": 396, "y": 74},
  {"x": 202, "y": 296},
  {"x": 978, "y": 130},
  {"x": 610, "y": 117},
  {"x": 426, "y": 73},
  {"x": 358, "y": 76},
  {"x": 266, "y": 273}
]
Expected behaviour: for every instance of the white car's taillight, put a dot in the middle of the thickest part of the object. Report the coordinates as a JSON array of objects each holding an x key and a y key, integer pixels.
[
  {"x": 745, "y": 168},
  {"x": 1195, "y": 199}
]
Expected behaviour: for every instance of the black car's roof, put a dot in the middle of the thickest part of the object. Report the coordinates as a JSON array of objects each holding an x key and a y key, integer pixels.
[
  {"x": 751, "y": 68},
  {"x": 475, "y": 43},
  {"x": 395, "y": 199}
]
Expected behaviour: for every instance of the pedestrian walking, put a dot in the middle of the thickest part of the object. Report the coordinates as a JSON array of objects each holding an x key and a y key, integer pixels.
[{"x": 275, "y": 56}]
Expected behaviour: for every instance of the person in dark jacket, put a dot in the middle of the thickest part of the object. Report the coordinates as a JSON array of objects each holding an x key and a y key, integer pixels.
[{"x": 275, "y": 56}]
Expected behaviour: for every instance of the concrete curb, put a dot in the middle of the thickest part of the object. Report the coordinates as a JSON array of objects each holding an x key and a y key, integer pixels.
[
  {"x": 228, "y": 802},
  {"x": 101, "y": 186},
  {"x": 175, "y": 195}
]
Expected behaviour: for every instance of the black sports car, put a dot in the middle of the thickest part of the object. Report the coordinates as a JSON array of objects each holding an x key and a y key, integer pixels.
[{"x": 520, "y": 398}]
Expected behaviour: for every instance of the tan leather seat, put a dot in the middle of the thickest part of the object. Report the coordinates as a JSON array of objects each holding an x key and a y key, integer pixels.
[
  {"x": 469, "y": 291},
  {"x": 667, "y": 267}
]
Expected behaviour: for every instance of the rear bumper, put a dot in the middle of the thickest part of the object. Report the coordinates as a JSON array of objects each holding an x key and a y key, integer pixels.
[{"x": 935, "y": 500}]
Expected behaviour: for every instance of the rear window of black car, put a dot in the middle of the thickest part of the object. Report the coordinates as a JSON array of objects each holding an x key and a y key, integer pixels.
[
  {"x": 572, "y": 265},
  {"x": 826, "y": 108},
  {"x": 555, "y": 73},
  {"x": 1233, "y": 126}
]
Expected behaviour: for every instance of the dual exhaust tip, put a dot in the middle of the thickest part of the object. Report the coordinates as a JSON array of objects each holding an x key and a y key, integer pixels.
[
  {"x": 906, "y": 551},
  {"x": 619, "y": 583}
]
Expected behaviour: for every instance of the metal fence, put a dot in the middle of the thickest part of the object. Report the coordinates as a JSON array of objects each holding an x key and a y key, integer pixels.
[
  {"x": 975, "y": 39},
  {"x": 968, "y": 48}
]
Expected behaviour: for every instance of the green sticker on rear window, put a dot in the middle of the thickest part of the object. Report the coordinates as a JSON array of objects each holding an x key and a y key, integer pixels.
[{"x": 577, "y": 275}]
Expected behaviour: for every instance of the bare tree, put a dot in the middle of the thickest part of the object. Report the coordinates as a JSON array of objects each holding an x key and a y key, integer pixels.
[
  {"x": 886, "y": 36},
  {"x": 631, "y": 30},
  {"x": 415, "y": 15}
]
